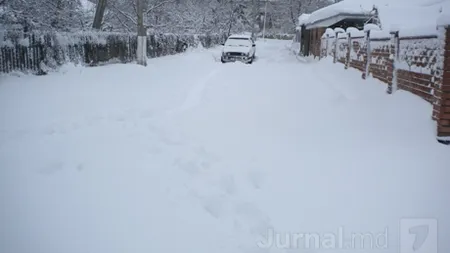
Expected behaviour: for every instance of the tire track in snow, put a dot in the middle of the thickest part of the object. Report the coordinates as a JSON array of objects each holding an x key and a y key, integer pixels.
[
  {"x": 195, "y": 95},
  {"x": 342, "y": 93}
]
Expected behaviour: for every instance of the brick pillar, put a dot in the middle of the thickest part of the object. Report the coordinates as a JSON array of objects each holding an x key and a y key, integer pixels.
[
  {"x": 367, "y": 58},
  {"x": 443, "y": 118},
  {"x": 349, "y": 48},
  {"x": 335, "y": 48},
  {"x": 390, "y": 64}
]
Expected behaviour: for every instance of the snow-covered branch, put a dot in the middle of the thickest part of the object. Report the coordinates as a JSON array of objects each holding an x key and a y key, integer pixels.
[
  {"x": 158, "y": 5},
  {"x": 165, "y": 16}
]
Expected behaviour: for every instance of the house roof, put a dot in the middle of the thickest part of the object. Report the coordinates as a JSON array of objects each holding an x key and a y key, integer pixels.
[
  {"x": 339, "y": 11},
  {"x": 393, "y": 14},
  {"x": 303, "y": 19}
]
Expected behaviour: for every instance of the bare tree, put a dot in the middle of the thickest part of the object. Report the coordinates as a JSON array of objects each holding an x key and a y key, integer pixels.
[
  {"x": 141, "y": 34},
  {"x": 100, "y": 11},
  {"x": 160, "y": 16}
]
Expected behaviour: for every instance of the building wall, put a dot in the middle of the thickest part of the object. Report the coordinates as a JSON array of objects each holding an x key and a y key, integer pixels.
[{"x": 313, "y": 40}]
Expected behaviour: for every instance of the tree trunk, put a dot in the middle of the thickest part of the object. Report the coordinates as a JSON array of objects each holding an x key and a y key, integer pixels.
[
  {"x": 99, "y": 12},
  {"x": 142, "y": 35},
  {"x": 231, "y": 19},
  {"x": 255, "y": 15}
]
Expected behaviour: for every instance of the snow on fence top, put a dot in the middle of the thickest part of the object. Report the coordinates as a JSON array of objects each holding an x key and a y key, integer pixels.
[
  {"x": 381, "y": 34},
  {"x": 329, "y": 32},
  {"x": 371, "y": 27},
  {"x": 354, "y": 32},
  {"x": 339, "y": 30}
]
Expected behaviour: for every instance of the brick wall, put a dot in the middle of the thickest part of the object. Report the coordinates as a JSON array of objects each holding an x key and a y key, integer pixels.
[
  {"x": 327, "y": 45},
  {"x": 380, "y": 53},
  {"x": 342, "y": 49},
  {"x": 417, "y": 64},
  {"x": 443, "y": 103},
  {"x": 358, "y": 53},
  {"x": 416, "y": 83}
]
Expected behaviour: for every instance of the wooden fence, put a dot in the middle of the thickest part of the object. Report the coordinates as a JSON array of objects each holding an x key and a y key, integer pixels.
[{"x": 39, "y": 52}]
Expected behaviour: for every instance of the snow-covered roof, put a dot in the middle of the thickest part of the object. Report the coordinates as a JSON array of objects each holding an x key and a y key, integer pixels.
[
  {"x": 393, "y": 14},
  {"x": 344, "y": 8},
  {"x": 303, "y": 19}
]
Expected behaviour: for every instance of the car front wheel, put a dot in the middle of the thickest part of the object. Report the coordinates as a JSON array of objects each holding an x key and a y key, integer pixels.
[{"x": 251, "y": 59}]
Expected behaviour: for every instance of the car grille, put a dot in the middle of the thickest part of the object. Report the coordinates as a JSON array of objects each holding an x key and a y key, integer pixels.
[{"x": 235, "y": 54}]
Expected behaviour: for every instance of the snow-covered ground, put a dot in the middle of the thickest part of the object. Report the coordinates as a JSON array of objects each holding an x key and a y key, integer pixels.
[{"x": 191, "y": 155}]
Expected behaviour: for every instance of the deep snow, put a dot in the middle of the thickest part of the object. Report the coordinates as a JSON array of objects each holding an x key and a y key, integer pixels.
[{"x": 191, "y": 155}]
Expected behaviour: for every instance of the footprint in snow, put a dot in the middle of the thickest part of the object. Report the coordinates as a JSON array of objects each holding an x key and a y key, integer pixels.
[
  {"x": 193, "y": 167},
  {"x": 170, "y": 141},
  {"x": 214, "y": 206},
  {"x": 80, "y": 167},
  {"x": 155, "y": 150},
  {"x": 228, "y": 184},
  {"x": 51, "y": 168},
  {"x": 92, "y": 120},
  {"x": 121, "y": 118},
  {"x": 204, "y": 154},
  {"x": 146, "y": 114},
  {"x": 255, "y": 178},
  {"x": 251, "y": 217},
  {"x": 49, "y": 130},
  {"x": 190, "y": 167}
]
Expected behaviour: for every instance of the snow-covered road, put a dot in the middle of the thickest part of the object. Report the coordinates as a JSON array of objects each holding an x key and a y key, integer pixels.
[{"x": 191, "y": 155}]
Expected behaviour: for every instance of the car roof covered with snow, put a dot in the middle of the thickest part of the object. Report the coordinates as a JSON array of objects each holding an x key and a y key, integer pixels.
[{"x": 240, "y": 36}]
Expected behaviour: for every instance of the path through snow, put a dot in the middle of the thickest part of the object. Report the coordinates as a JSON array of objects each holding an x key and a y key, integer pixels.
[{"x": 193, "y": 155}]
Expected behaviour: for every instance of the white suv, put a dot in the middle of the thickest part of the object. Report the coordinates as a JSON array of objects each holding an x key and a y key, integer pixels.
[{"x": 239, "y": 48}]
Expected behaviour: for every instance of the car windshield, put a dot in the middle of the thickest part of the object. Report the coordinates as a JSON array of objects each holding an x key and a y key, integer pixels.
[{"x": 238, "y": 42}]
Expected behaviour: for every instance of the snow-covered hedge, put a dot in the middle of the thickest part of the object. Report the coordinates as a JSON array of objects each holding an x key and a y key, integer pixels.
[
  {"x": 277, "y": 36},
  {"x": 43, "y": 50}
]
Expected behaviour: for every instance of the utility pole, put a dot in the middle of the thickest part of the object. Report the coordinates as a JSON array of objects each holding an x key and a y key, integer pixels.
[
  {"x": 99, "y": 12},
  {"x": 141, "y": 35},
  {"x": 253, "y": 20},
  {"x": 265, "y": 17}
]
